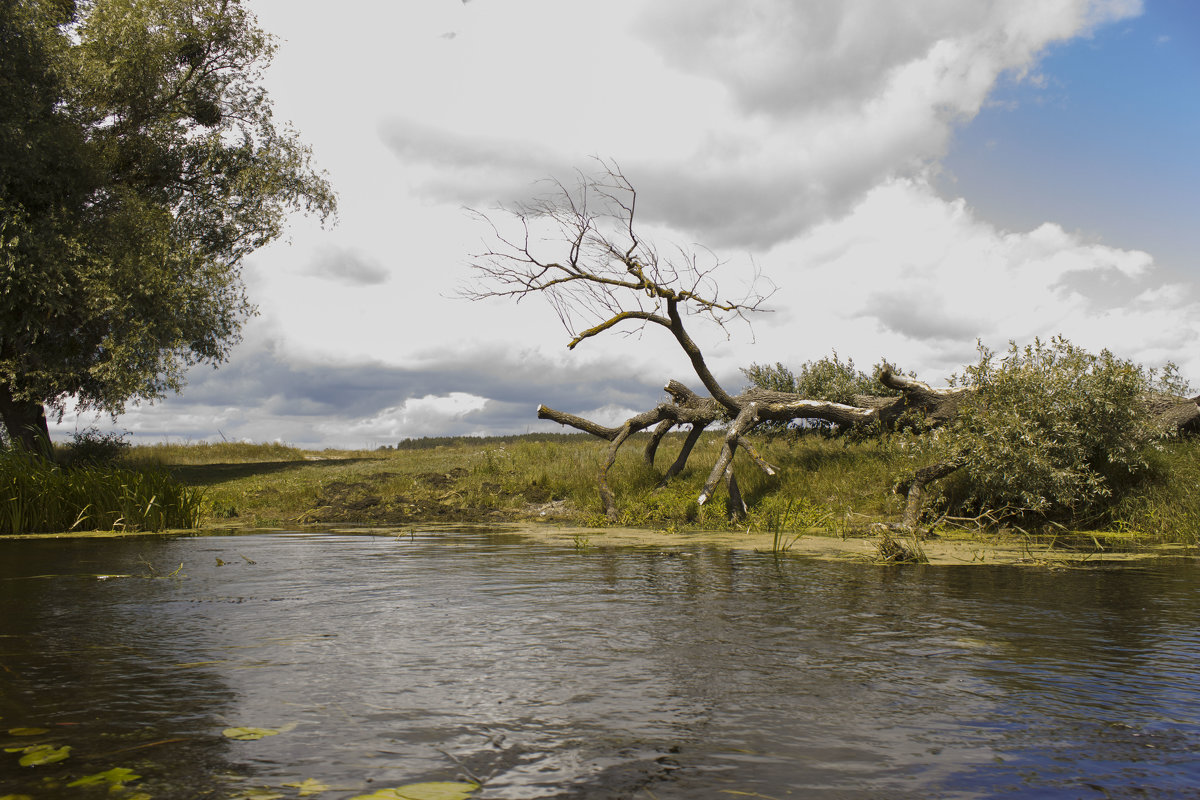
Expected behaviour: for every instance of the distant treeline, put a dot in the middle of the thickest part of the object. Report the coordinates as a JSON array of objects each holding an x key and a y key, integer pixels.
[{"x": 432, "y": 442}]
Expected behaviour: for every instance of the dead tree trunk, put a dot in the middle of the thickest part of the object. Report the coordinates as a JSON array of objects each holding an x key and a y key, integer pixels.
[{"x": 608, "y": 278}]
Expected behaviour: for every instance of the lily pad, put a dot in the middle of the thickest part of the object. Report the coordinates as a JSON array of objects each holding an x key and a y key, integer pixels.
[
  {"x": 27, "y": 731},
  {"x": 17, "y": 797},
  {"x": 248, "y": 734},
  {"x": 44, "y": 754},
  {"x": 439, "y": 790},
  {"x": 117, "y": 776},
  {"x": 307, "y": 787},
  {"x": 258, "y": 794}
]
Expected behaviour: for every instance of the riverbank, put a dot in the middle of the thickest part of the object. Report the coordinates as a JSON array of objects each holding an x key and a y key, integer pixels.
[
  {"x": 838, "y": 489},
  {"x": 945, "y": 548}
]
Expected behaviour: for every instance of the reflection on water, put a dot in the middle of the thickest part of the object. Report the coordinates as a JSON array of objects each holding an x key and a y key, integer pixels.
[{"x": 552, "y": 672}]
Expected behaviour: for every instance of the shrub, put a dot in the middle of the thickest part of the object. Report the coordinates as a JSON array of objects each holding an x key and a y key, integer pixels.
[
  {"x": 92, "y": 448},
  {"x": 830, "y": 379},
  {"x": 1049, "y": 429}
]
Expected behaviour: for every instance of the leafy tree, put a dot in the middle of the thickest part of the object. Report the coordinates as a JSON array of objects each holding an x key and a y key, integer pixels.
[
  {"x": 139, "y": 165},
  {"x": 828, "y": 378}
]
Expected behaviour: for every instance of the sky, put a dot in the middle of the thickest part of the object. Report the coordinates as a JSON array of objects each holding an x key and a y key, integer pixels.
[{"x": 908, "y": 179}]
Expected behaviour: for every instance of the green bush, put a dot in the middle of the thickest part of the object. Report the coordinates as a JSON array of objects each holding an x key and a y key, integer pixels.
[
  {"x": 92, "y": 448},
  {"x": 1049, "y": 430},
  {"x": 830, "y": 379}
]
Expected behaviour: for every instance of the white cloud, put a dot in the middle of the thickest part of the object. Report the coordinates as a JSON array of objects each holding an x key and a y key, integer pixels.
[
  {"x": 915, "y": 278},
  {"x": 798, "y": 135},
  {"x": 429, "y": 415}
]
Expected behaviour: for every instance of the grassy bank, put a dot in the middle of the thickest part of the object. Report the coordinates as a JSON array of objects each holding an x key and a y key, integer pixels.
[
  {"x": 39, "y": 496},
  {"x": 829, "y": 484}
]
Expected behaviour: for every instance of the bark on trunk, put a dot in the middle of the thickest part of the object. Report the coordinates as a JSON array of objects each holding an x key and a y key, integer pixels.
[
  {"x": 25, "y": 421},
  {"x": 915, "y": 489}
]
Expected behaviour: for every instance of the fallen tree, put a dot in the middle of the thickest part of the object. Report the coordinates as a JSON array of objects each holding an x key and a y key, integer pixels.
[{"x": 605, "y": 277}]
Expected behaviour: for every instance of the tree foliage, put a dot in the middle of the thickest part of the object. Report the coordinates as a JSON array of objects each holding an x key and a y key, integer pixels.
[
  {"x": 1049, "y": 429},
  {"x": 828, "y": 378},
  {"x": 139, "y": 165}
]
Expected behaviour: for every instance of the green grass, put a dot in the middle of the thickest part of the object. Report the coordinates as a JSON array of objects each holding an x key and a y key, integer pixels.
[
  {"x": 551, "y": 478},
  {"x": 38, "y": 496},
  {"x": 1165, "y": 505},
  {"x": 840, "y": 486}
]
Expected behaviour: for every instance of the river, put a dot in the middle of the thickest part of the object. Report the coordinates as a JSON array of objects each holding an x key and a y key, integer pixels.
[{"x": 383, "y": 660}]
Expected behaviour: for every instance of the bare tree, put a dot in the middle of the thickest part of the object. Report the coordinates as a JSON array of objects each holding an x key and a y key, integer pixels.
[
  {"x": 606, "y": 277},
  {"x": 603, "y": 276}
]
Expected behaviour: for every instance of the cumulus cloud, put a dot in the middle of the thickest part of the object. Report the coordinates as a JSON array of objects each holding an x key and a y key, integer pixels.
[
  {"x": 782, "y": 58},
  {"x": 448, "y": 414},
  {"x": 799, "y": 108},
  {"x": 803, "y": 133},
  {"x": 906, "y": 275},
  {"x": 918, "y": 279}
]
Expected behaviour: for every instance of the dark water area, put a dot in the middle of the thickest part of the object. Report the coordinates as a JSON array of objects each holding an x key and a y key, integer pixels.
[{"x": 589, "y": 673}]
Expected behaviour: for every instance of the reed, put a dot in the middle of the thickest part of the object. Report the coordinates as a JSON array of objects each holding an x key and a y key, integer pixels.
[{"x": 39, "y": 496}]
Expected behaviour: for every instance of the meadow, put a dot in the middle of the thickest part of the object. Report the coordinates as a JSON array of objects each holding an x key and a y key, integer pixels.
[{"x": 832, "y": 484}]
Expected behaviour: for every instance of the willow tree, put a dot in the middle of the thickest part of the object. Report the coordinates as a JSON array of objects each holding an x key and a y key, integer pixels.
[{"x": 139, "y": 165}]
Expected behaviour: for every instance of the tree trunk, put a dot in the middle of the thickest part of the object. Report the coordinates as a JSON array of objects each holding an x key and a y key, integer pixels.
[
  {"x": 25, "y": 421},
  {"x": 915, "y": 489}
]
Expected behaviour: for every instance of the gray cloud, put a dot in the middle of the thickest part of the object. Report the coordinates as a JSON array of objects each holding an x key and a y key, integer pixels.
[
  {"x": 345, "y": 265},
  {"x": 472, "y": 168},
  {"x": 725, "y": 207},
  {"x": 923, "y": 316},
  {"x": 261, "y": 395}
]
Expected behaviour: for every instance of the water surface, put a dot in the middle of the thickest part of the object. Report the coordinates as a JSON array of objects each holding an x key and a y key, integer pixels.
[{"x": 591, "y": 673}]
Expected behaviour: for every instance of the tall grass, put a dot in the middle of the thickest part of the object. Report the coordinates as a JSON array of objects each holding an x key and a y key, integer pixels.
[
  {"x": 39, "y": 496},
  {"x": 1166, "y": 504}
]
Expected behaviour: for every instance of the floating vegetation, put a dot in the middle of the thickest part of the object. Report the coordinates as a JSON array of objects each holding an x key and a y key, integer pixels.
[
  {"x": 116, "y": 778},
  {"x": 308, "y": 786},
  {"x": 258, "y": 794},
  {"x": 248, "y": 734},
  {"x": 442, "y": 790},
  {"x": 41, "y": 754}
]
